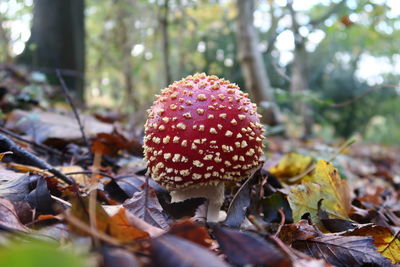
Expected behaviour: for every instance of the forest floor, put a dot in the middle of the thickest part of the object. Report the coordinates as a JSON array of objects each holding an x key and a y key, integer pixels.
[{"x": 80, "y": 196}]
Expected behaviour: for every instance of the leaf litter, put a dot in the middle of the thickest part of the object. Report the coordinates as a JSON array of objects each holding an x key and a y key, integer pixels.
[{"x": 343, "y": 211}]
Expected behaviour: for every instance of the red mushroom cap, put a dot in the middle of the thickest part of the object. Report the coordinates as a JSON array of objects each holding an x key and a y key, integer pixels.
[{"x": 202, "y": 130}]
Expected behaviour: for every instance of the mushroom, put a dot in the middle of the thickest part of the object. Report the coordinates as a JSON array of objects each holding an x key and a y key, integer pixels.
[{"x": 202, "y": 132}]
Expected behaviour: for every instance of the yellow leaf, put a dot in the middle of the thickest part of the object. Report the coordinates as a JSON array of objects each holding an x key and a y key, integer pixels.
[
  {"x": 323, "y": 183},
  {"x": 386, "y": 243},
  {"x": 80, "y": 177},
  {"x": 291, "y": 165}
]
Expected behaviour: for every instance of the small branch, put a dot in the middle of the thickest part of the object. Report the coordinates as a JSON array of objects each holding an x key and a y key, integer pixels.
[
  {"x": 283, "y": 219},
  {"x": 357, "y": 97},
  {"x": 34, "y": 144},
  {"x": 93, "y": 232},
  {"x": 281, "y": 72},
  {"x": 71, "y": 103},
  {"x": 7, "y": 144}
]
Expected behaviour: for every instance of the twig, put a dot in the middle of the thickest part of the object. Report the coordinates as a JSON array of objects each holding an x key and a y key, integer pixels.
[
  {"x": 8, "y": 145},
  {"x": 281, "y": 72},
  {"x": 94, "y": 232},
  {"x": 62, "y": 201},
  {"x": 357, "y": 97},
  {"x": 93, "y": 197},
  {"x": 283, "y": 219},
  {"x": 71, "y": 103},
  {"x": 92, "y": 172},
  {"x": 256, "y": 224},
  {"x": 34, "y": 144},
  {"x": 312, "y": 166},
  {"x": 146, "y": 199}
]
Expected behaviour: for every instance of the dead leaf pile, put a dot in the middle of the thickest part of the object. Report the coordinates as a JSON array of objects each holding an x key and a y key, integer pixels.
[{"x": 299, "y": 209}]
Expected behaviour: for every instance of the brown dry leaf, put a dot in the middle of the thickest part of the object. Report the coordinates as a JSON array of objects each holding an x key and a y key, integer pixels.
[
  {"x": 79, "y": 210},
  {"x": 291, "y": 165},
  {"x": 191, "y": 231},
  {"x": 80, "y": 178},
  {"x": 343, "y": 250},
  {"x": 121, "y": 229},
  {"x": 323, "y": 183},
  {"x": 117, "y": 226},
  {"x": 134, "y": 220},
  {"x": 8, "y": 216},
  {"x": 43, "y": 126},
  {"x": 386, "y": 243},
  {"x": 109, "y": 143},
  {"x": 300, "y": 230}
]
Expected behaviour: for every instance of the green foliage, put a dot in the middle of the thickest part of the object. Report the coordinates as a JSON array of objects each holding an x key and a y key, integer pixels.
[{"x": 39, "y": 255}]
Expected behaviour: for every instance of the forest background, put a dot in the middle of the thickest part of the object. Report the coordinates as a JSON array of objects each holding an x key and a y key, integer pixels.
[{"x": 317, "y": 68}]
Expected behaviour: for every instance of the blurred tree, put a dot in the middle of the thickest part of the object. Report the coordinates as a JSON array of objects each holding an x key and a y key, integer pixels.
[
  {"x": 4, "y": 41},
  {"x": 299, "y": 69},
  {"x": 57, "y": 42},
  {"x": 163, "y": 18},
  {"x": 252, "y": 64}
]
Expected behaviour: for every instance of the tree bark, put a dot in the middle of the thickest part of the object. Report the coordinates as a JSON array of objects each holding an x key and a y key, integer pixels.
[
  {"x": 252, "y": 64},
  {"x": 57, "y": 42},
  {"x": 164, "y": 23}
]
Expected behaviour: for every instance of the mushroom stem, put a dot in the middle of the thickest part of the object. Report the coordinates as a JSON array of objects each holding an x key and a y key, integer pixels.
[{"x": 214, "y": 193}]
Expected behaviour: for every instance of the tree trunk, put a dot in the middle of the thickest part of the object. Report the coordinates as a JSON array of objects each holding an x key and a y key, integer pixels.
[
  {"x": 299, "y": 78},
  {"x": 163, "y": 20},
  {"x": 57, "y": 42},
  {"x": 298, "y": 85},
  {"x": 4, "y": 43},
  {"x": 252, "y": 64}
]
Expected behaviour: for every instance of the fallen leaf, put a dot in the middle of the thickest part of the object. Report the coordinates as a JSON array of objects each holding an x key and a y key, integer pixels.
[
  {"x": 323, "y": 183},
  {"x": 16, "y": 189},
  {"x": 343, "y": 250},
  {"x": 40, "y": 198},
  {"x": 8, "y": 175},
  {"x": 118, "y": 257},
  {"x": 243, "y": 248},
  {"x": 134, "y": 220},
  {"x": 45, "y": 126},
  {"x": 117, "y": 226},
  {"x": 111, "y": 143},
  {"x": 2, "y": 154},
  {"x": 241, "y": 201},
  {"x": 301, "y": 230},
  {"x": 171, "y": 251},
  {"x": 291, "y": 165},
  {"x": 121, "y": 229},
  {"x": 144, "y": 204},
  {"x": 270, "y": 206},
  {"x": 386, "y": 243},
  {"x": 191, "y": 231},
  {"x": 9, "y": 218},
  {"x": 81, "y": 178}
]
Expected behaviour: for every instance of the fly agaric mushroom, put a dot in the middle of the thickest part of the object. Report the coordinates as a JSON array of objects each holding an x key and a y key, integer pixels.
[{"x": 201, "y": 132}]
